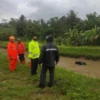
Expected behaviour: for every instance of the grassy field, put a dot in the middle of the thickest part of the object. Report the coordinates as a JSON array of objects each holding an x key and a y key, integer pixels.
[
  {"x": 89, "y": 52},
  {"x": 20, "y": 85}
]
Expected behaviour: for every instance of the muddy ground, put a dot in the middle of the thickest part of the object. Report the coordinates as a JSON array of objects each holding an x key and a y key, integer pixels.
[{"x": 91, "y": 69}]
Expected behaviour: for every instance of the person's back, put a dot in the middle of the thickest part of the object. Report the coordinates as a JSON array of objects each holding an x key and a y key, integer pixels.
[
  {"x": 33, "y": 49},
  {"x": 20, "y": 48},
  {"x": 50, "y": 54},
  {"x": 49, "y": 57}
]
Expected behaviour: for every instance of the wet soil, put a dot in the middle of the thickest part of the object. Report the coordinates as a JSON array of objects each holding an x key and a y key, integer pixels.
[{"x": 92, "y": 68}]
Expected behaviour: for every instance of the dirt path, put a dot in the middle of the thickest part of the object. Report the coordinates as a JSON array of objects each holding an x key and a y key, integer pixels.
[{"x": 91, "y": 69}]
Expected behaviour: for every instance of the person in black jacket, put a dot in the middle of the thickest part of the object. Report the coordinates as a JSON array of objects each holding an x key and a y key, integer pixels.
[{"x": 49, "y": 58}]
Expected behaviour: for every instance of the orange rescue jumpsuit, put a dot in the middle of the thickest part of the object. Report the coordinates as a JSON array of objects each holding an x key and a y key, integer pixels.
[
  {"x": 12, "y": 55},
  {"x": 21, "y": 50}
]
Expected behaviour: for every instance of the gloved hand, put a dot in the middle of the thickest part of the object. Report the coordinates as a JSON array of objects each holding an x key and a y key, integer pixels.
[{"x": 56, "y": 63}]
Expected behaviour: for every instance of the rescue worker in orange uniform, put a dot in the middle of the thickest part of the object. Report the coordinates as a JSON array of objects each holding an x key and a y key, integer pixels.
[
  {"x": 12, "y": 53},
  {"x": 21, "y": 50}
]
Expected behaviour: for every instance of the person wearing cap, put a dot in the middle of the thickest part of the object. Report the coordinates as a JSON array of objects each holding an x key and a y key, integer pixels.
[
  {"x": 21, "y": 50},
  {"x": 34, "y": 53},
  {"x": 12, "y": 53},
  {"x": 49, "y": 57}
]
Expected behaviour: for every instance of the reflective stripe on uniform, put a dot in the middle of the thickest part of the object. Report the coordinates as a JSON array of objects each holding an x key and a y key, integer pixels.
[
  {"x": 35, "y": 55},
  {"x": 52, "y": 49}
]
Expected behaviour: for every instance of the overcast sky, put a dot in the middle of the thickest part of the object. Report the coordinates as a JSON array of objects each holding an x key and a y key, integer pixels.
[{"x": 45, "y": 9}]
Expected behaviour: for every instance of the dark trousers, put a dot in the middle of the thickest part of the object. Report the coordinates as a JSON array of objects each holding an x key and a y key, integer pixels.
[
  {"x": 21, "y": 57},
  {"x": 34, "y": 66},
  {"x": 43, "y": 75}
]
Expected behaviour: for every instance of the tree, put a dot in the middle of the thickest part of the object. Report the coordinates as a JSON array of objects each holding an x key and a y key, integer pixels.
[
  {"x": 72, "y": 20},
  {"x": 21, "y": 26},
  {"x": 92, "y": 20}
]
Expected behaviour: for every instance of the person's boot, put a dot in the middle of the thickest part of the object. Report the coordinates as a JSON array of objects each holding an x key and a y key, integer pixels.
[
  {"x": 41, "y": 86},
  {"x": 50, "y": 85}
]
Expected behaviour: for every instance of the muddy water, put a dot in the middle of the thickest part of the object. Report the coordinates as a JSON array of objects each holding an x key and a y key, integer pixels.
[{"x": 91, "y": 69}]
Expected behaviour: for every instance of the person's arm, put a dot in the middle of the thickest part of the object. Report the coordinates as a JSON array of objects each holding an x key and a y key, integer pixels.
[
  {"x": 57, "y": 56},
  {"x": 23, "y": 46},
  {"x": 9, "y": 52},
  {"x": 42, "y": 55},
  {"x": 29, "y": 50}
]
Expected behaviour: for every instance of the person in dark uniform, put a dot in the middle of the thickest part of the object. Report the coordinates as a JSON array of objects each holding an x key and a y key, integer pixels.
[{"x": 49, "y": 57}]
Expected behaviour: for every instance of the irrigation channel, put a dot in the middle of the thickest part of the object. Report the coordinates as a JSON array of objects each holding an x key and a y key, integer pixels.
[{"x": 91, "y": 69}]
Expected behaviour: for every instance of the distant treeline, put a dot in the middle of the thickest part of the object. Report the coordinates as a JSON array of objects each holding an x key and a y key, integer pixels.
[{"x": 67, "y": 30}]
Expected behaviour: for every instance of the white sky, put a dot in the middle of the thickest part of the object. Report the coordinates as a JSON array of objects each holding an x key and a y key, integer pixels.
[{"x": 45, "y": 9}]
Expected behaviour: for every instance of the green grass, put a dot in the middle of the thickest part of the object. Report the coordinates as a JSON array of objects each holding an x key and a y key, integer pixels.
[
  {"x": 89, "y": 52},
  {"x": 20, "y": 85}
]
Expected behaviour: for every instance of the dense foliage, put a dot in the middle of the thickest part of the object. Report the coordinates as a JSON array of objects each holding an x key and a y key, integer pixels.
[{"x": 68, "y": 30}]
